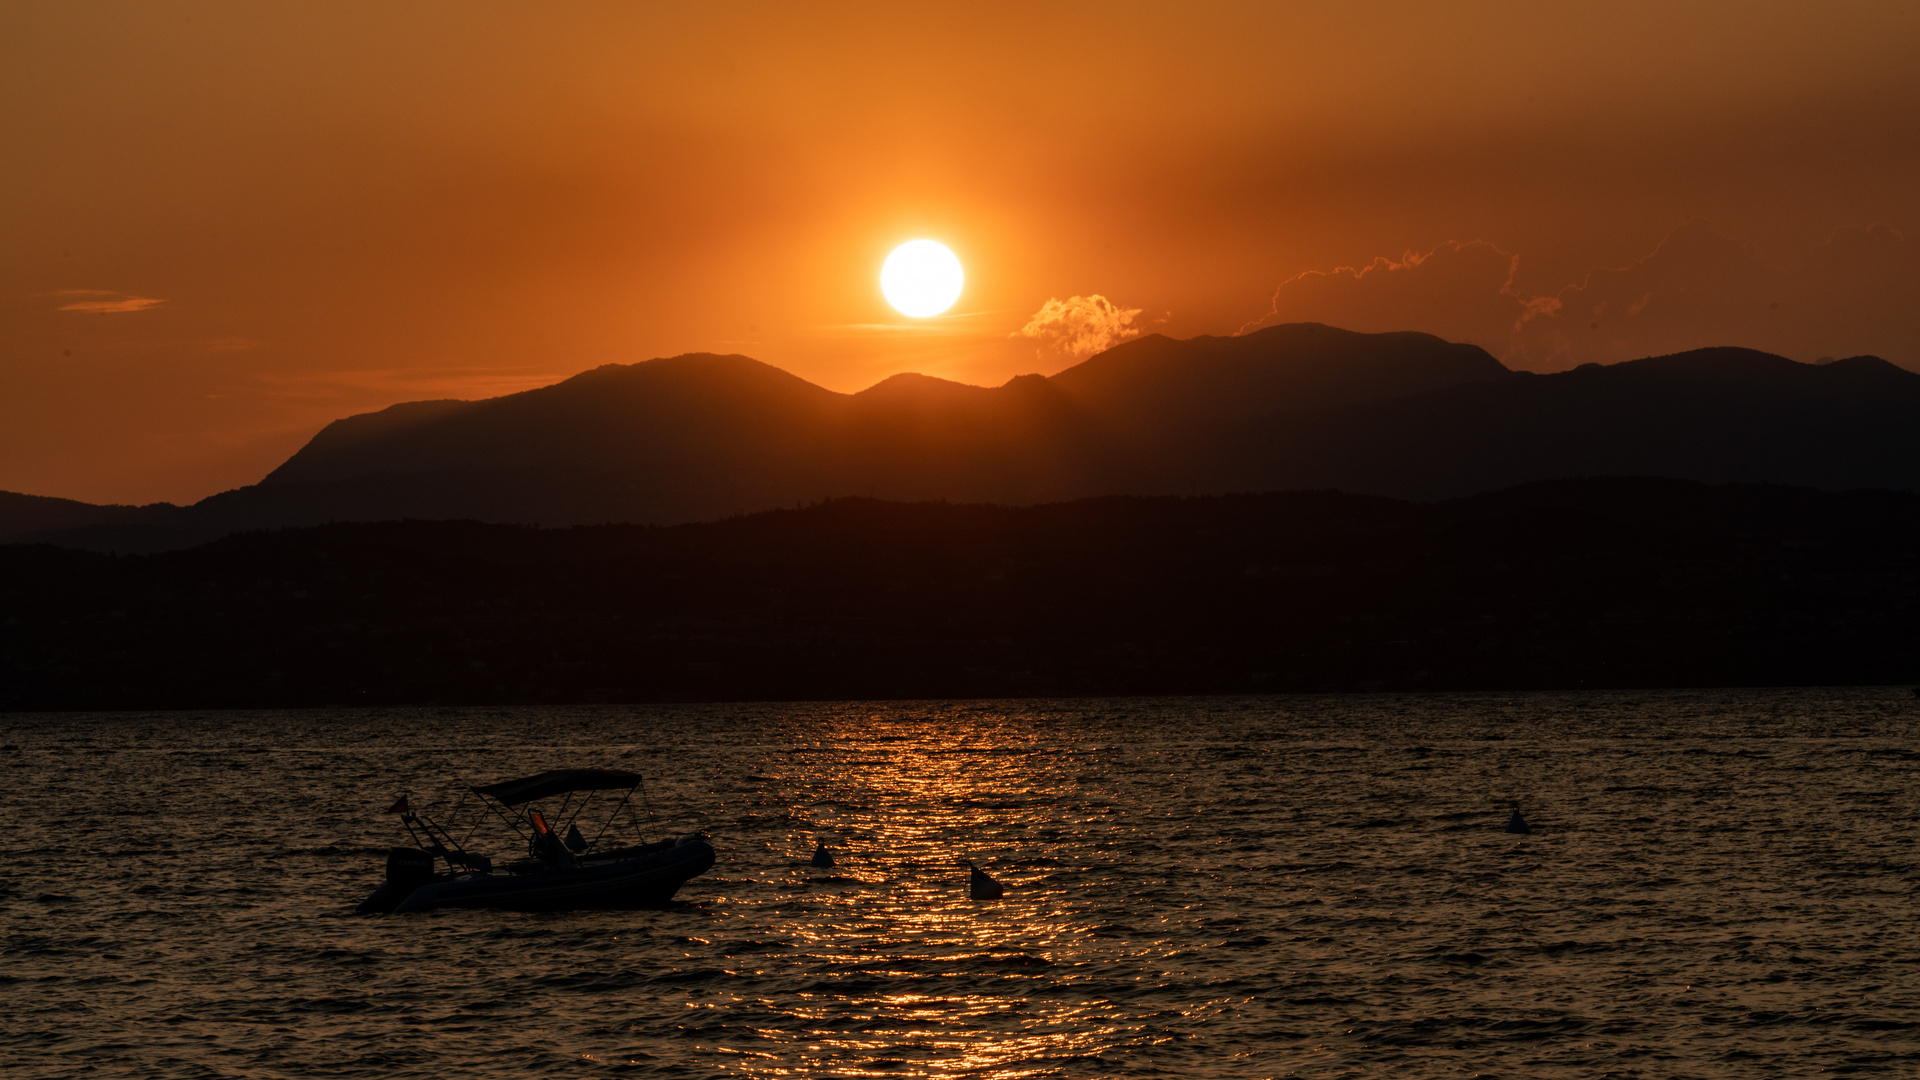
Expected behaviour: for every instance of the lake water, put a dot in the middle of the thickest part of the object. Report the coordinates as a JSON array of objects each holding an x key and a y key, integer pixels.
[{"x": 1720, "y": 884}]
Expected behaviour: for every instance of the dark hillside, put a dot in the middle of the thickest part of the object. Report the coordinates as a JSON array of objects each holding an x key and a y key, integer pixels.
[{"x": 1616, "y": 583}]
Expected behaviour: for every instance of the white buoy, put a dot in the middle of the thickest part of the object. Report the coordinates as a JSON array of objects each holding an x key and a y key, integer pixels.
[
  {"x": 979, "y": 885},
  {"x": 1518, "y": 824},
  {"x": 823, "y": 858}
]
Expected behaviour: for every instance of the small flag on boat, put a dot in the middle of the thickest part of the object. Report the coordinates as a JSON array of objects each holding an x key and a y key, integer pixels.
[{"x": 399, "y": 807}]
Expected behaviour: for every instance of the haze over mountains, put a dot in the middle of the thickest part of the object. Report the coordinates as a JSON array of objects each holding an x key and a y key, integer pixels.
[{"x": 1299, "y": 406}]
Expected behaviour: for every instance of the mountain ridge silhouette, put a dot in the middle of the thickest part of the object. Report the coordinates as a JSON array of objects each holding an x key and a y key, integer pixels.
[
  {"x": 1570, "y": 584},
  {"x": 1299, "y": 406}
]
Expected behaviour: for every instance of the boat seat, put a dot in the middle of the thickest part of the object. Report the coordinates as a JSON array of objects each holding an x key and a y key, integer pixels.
[{"x": 547, "y": 847}]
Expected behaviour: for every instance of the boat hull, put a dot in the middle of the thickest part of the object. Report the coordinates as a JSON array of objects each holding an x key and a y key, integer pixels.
[{"x": 648, "y": 881}]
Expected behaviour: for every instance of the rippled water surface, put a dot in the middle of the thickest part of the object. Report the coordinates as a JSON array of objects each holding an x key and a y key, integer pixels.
[{"x": 1719, "y": 884}]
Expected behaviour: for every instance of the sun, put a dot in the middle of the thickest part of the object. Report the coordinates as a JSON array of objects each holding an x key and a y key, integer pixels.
[{"x": 921, "y": 278}]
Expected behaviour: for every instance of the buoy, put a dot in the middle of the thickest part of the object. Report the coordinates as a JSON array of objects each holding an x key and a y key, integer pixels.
[
  {"x": 822, "y": 858},
  {"x": 1518, "y": 824},
  {"x": 979, "y": 885}
]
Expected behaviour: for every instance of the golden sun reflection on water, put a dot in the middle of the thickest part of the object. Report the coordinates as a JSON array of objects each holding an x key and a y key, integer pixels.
[{"x": 991, "y": 988}]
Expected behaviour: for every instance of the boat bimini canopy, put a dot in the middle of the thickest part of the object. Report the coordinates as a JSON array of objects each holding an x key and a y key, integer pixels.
[
  {"x": 509, "y": 801},
  {"x": 558, "y": 782}
]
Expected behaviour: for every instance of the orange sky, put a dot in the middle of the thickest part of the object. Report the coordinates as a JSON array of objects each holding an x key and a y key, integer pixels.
[{"x": 227, "y": 224}]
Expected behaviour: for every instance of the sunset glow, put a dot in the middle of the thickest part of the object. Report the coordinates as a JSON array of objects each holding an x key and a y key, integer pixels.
[
  {"x": 922, "y": 278},
  {"x": 232, "y": 229},
  {"x": 982, "y": 539}
]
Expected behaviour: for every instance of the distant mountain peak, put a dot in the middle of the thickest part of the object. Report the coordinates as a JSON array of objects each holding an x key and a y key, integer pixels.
[
  {"x": 1286, "y": 368},
  {"x": 1296, "y": 406},
  {"x": 1728, "y": 362},
  {"x": 913, "y": 383}
]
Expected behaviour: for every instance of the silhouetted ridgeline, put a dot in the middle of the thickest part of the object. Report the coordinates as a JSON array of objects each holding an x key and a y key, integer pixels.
[
  {"x": 1297, "y": 407},
  {"x": 1602, "y": 583}
]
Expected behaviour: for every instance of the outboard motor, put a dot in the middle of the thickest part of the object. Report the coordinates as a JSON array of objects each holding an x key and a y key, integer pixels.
[{"x": 408, "y": 868}]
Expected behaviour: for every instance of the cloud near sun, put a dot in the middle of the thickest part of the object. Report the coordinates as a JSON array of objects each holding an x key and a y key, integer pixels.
[
  {"x": 1850, "y": 295},
  {"x": 103, "y": 301},
  {"x": 1080, "y": 326}
]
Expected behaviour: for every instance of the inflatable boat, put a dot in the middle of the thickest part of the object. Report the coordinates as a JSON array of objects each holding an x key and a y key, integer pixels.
[{"x": 563, "y": 870}]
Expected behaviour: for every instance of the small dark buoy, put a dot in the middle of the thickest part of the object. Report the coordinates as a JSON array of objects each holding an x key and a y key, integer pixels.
[
  {"x": 1518, "y": 824},
  {"x": 979, "y": 885},
  {"x": 822, "y": 858}
]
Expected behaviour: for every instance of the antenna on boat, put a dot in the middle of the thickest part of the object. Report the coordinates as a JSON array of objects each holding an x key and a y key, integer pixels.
[
  {"x": 645, "y": 800},
  {"x": 608, "y": 824}
]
